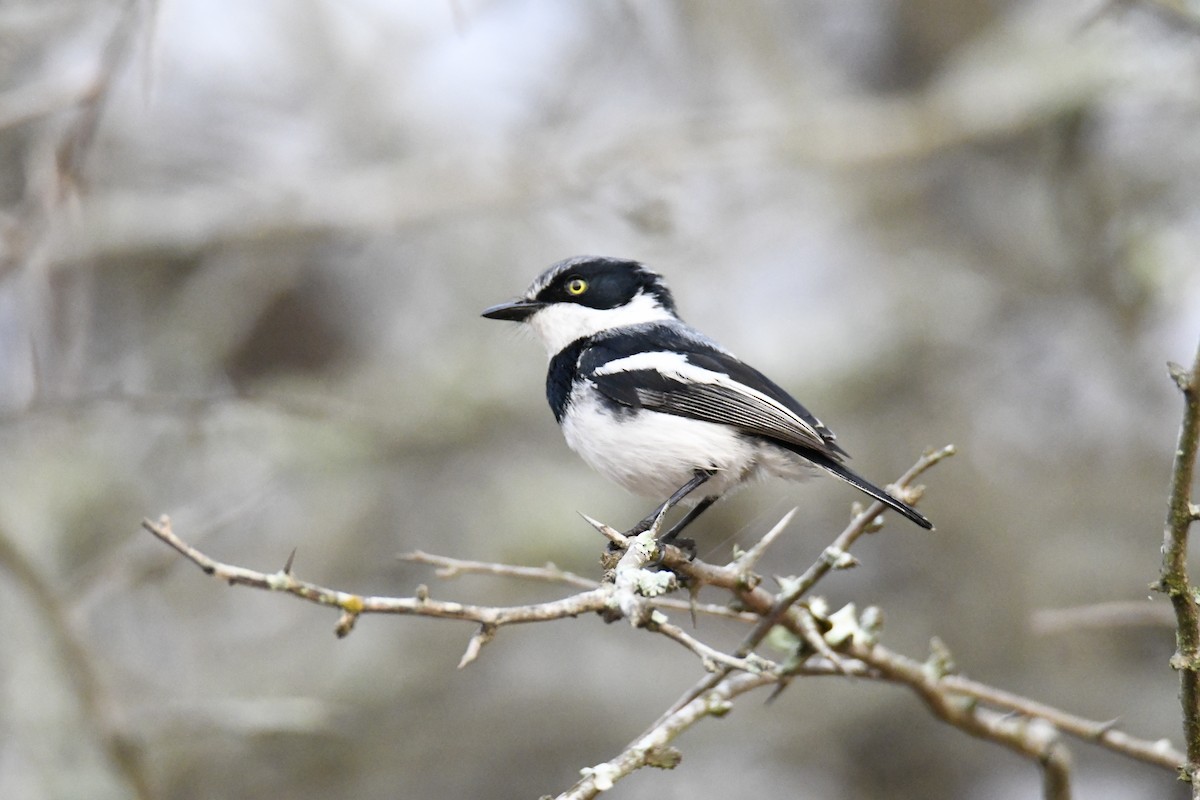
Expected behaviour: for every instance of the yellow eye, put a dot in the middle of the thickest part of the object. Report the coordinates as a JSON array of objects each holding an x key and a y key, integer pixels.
[{"x": 576, "y": 286}]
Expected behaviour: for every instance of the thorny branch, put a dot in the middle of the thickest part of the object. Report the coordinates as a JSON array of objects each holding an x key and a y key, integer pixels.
[
  {"x": 1174, "y": 581},
  {"x": 454, "y": 567},
  {"x": 836, "y": 555},
  {"x": 843, "y": 643}
]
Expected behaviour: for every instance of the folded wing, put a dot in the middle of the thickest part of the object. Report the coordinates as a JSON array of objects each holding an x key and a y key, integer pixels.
[{"x": 714, "y": 387}]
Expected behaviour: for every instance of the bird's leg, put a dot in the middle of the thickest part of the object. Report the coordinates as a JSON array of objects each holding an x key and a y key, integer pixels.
[
  {"x": 672, "y": 536},
  {"x": 697, "y": 479}
]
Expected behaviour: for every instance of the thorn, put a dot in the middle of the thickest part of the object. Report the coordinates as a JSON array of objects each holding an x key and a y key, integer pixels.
[
  {"x": 484, "y": 635},
  {"x": 610, "y": 533},
  {"x": 287, "y": 566},
  {"x": 778, "y": 690},
  {"x": 595, "y": 523}
]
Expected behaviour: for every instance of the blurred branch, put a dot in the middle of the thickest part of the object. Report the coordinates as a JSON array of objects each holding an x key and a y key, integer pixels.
[
  {"x": 72, "y": 151},
  {"x": 1118, "y": 614},
  {"x": 1174, "y": 13},
  {"x": 1174, "y": 582},
  {"x": 42, "y": 98},
  {"x": 822, "y": 644},
  {"x": 453, "y": 567},
  {"x": 1036, "y": 86},
  {"x": 123, "y": 753},
  {"x": 46, "y": 190}
]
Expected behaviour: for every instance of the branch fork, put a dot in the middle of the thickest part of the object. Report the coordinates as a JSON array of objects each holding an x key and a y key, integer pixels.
[{"x": 821, "y": 643}]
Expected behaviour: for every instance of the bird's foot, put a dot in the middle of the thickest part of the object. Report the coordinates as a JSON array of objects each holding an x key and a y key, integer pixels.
[{"x": 686, "y": 545}]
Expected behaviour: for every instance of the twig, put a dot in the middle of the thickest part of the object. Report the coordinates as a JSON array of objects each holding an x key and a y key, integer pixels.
[
  {"x": 1176, "y": 15},
  {"x": 1032, "y": 737},
  {"x": 45, "y": 192},
  {"x": 777, "y": 608},
  {"x": 970, "y": 693},
  {"x": 633, "y": 582},
  {"x": 1118, "y": 614},
  {"x": 1174, "y": 581},
  {"x": 833, "y": 554},
  {"x": 652, "y": 747},
  {"x": 848, "y": 648},
  {"x": 355, "y": 605},
  {"x": 714, "y": 659},
  {"x": 453, "y": 567},
  {"x": 1160, "y": 753},
  {"x": 75, "y": 146},
  {"x": 748, "y": 560},
  {"x": 629, "y": 598}
]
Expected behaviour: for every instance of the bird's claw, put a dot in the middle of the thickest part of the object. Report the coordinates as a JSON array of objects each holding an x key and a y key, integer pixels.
[{"x": 688, "y": 546}]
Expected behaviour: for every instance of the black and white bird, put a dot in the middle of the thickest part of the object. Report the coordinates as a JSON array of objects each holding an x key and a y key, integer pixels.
[{"x": 656, "y": 406}]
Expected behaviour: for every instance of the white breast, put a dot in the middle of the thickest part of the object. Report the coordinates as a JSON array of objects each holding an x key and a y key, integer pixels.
[{"x": 653, "y": 454}]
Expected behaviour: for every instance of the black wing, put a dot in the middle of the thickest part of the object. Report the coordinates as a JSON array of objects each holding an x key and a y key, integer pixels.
[
  {"x": 662, "y": 369},
  {"x": 678, "y": 372}
]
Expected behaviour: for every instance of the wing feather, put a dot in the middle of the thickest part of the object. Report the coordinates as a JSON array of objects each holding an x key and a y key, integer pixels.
[
  {"x": 670, "y": 382},
  {"x": 675, "y": 370}
]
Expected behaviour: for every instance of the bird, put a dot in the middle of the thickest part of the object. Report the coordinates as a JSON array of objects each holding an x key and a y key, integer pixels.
[{"x": 658, "y": 407}]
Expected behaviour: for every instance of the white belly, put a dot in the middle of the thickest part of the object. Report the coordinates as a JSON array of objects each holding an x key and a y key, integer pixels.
[{"x": 653, "y": 454}]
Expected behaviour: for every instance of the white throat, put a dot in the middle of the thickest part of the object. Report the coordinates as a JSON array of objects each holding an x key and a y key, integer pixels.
[{"x": 559, "y": 324}]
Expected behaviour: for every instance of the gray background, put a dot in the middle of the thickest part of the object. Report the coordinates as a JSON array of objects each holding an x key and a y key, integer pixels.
[{"x": 251, "y": 301}]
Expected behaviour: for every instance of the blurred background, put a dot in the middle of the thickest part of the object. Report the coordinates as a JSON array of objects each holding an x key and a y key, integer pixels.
[{"x": 243, "y": 251}]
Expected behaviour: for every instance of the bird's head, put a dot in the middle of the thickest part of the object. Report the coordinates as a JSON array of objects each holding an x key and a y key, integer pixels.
[{"x": 585, "y": 295}]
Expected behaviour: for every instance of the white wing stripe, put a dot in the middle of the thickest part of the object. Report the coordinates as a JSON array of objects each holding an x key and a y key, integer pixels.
[{"x": 676, "y": 366}]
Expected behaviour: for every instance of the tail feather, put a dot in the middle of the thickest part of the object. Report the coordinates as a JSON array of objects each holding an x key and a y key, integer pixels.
[{"x": 842, "y": 472}]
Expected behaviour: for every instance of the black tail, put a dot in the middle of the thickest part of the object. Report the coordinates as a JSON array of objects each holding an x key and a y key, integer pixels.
[{"x": 840, "y": 470}]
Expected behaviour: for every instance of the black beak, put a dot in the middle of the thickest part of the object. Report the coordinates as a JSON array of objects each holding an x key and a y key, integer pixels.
[{"x": 516, "y": 311}]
